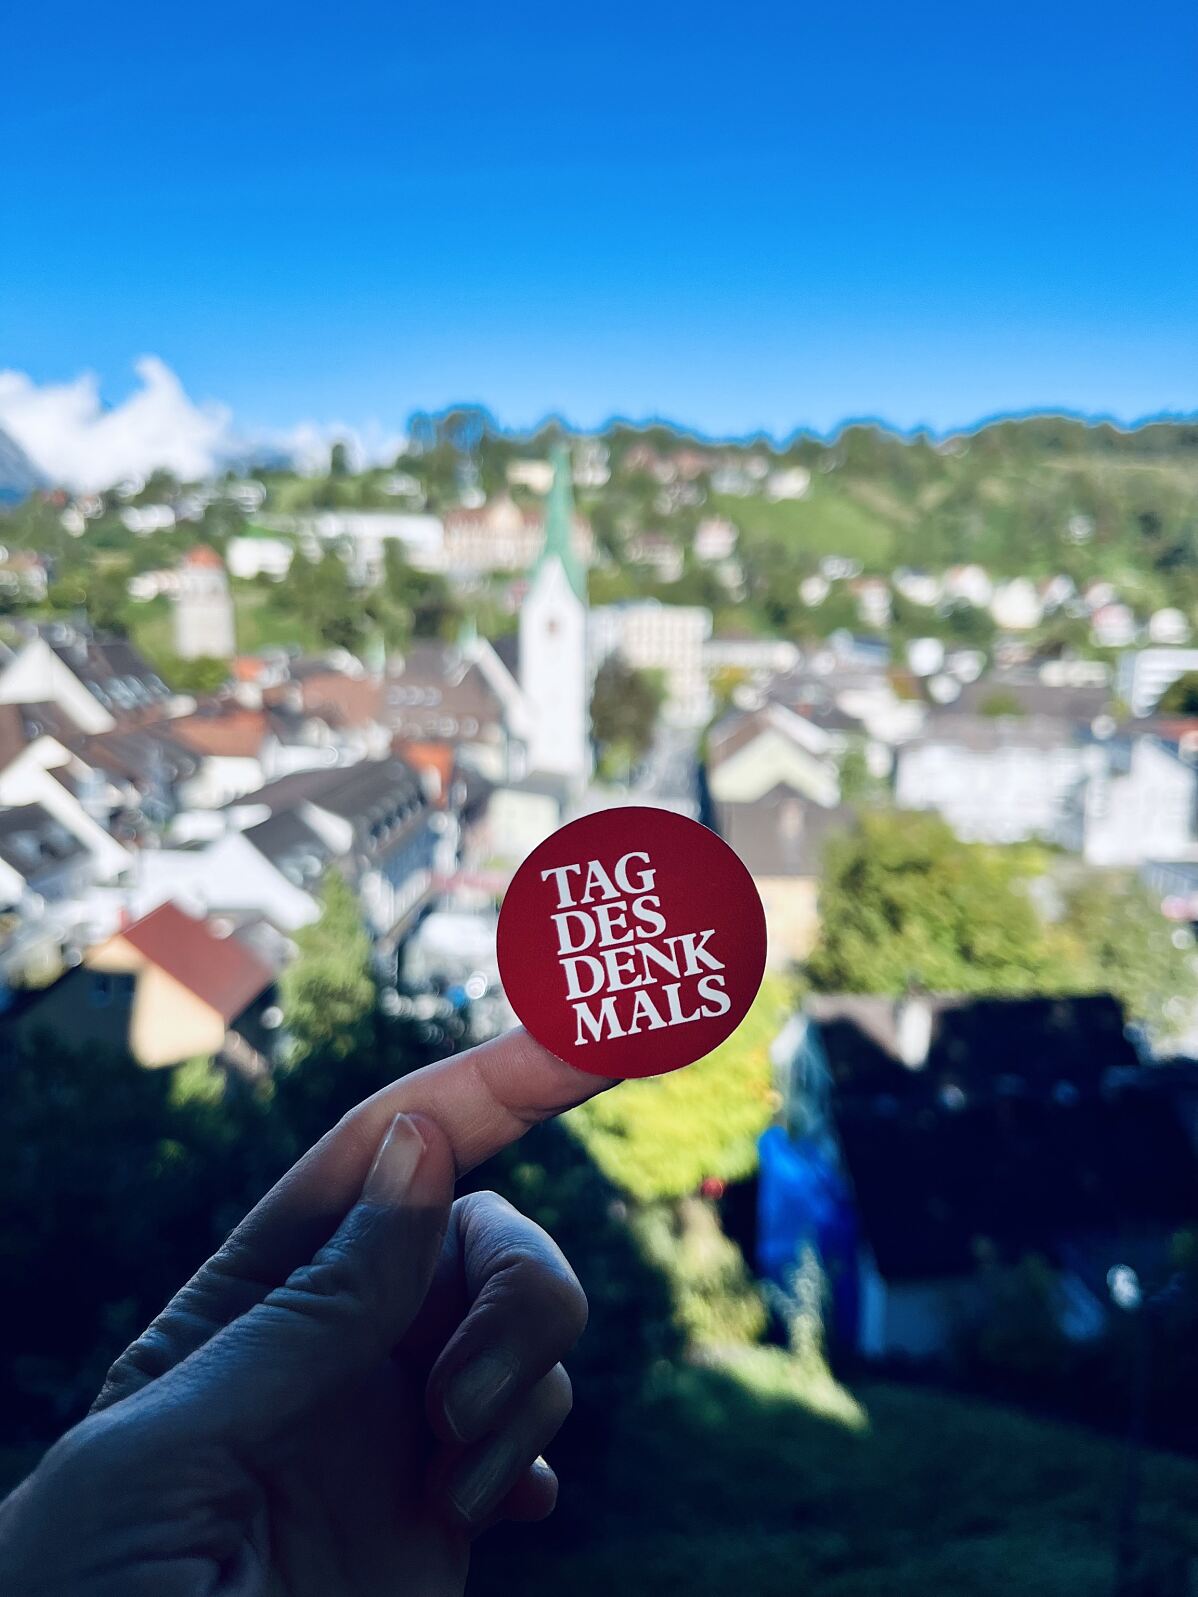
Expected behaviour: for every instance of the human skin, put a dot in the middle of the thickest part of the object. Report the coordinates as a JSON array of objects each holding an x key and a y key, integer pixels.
[{"x": 362, "y": 1378}]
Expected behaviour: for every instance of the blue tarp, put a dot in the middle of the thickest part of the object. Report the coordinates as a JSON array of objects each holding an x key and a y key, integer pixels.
[{"x": 804, "y": 1200}]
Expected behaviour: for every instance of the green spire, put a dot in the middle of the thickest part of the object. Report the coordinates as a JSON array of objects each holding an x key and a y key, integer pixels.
[
  {"x": 467, "y": 633},
  {"x": 559, "y": 524}
]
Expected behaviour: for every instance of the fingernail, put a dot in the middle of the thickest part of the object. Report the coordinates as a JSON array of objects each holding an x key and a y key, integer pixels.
[
  {"x": 475, "y": 1394},
  {"x": 481, "y": 1484},
  {"x": 395, "y": 1163}
]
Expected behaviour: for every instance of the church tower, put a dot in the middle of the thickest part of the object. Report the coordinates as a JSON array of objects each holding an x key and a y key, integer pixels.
[
  {"x": 553, "y": 641},
  {"x": 203, "y": 607}
]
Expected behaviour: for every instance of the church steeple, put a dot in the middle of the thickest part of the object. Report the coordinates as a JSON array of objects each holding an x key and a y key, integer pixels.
[
  {"x": 559, "y": 525},
  {"x": 553, "y": 642}
]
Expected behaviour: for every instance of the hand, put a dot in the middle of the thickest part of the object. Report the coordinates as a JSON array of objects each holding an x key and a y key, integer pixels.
[{"x": 363, "y": 1377}]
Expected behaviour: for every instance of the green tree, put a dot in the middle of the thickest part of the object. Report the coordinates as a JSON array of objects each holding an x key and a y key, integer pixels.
[
  {"x": 625, "y": 704},
  {"x": 903, "y": 899},
  {"x": 1181, "y": 698},
  {"x": 328, "y": 992},
  {"x": 339, "y": 460},
  {"x": 203, "y": 675},
  {"x": 1114, "y": 937},
  {"x": 325, "y": 598}
]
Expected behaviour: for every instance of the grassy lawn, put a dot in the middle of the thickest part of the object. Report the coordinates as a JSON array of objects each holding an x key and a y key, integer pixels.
[
  {"x": 743, "y": 1478},
  {"x": 826, "y": 522},
  {"x": 261, "y": 621}
]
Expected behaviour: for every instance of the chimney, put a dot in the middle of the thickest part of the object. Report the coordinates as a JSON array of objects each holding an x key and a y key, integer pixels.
[{"x": 913, "y": 1028}]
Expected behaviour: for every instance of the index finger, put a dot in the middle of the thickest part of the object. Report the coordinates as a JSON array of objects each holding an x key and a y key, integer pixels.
[{"x": 482, "y": 1100}]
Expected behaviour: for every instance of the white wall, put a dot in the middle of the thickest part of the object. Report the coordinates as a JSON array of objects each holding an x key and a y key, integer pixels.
[
  {"x": 553, "y": 674},
  {"x": 1001, "y": 795},
  {"x": 36, "y": 675}
]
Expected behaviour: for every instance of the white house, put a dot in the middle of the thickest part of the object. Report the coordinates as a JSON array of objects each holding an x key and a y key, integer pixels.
[
  {"x": 1168, "y": 626},
  {"x": 750, "y": 754},
  {"x": 259, "y": 557},
  {"x": 994, "y": 779},
  {"x": 1016, "y": 606},
  {"x": 1138, "y": 804}
]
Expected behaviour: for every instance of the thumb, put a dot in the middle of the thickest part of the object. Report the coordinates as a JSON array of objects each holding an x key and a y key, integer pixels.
[{"x": 332, "y": 1321}]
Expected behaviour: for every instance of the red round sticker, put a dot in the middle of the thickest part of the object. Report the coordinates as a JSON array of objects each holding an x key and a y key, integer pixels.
[{"x": 631, "y": 942}]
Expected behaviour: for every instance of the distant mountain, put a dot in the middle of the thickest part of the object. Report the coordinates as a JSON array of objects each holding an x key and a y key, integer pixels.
[{"x": 18, "y": 475}]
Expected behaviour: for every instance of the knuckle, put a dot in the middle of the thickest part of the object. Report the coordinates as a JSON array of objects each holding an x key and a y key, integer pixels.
[
  {"x": 559, "y": 1395},
  {"x": 562, "y": 1301}
]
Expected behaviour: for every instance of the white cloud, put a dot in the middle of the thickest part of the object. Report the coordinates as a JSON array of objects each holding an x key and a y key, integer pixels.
[
  {"x": 77, "y": 442},
  {"x": 308, "y": 444},
  {"x": 74, "y": 440}
]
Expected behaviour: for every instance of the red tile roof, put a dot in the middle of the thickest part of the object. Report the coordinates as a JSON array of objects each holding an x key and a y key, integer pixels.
[
  {"x": 342, "y": 700},
  {"x": 220, "y": 971},
  {"x": 229, "y": 732},
  {"x": 203, "y": 555}
]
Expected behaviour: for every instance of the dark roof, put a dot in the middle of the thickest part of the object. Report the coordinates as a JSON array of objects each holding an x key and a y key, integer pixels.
[
  {"x": 508, "y": 650},
  {"x": 1035, "y": 698},
  {"x": 31, "y": 839},
  {"x": 141, "y": 755},
  {"x": 985, "y": 733},
  {"x": 980, "y": 1044},
  {"x": 110, "y": 668},
  {"x": 220, "y": 971},
  {"x": 439, "y": 693},
  {"x": 740, "y": 728},
  {"x": 1031, "y": 1121},
  {"x": 376, "y": 796},
  {"x": 291, "y": 845},
  {"x": 782, "y": 833},
  {"x": 1025, "y": 1175}
]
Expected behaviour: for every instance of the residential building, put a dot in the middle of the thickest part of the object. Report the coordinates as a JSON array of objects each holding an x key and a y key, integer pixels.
[
  {"x": 465, "y": 695},
  {"x": 752, "y": 753},
  {"x": 591, "y": 466},
  {"x": 98, "y": 682},
  {"x": 1168, "y": 626},
  {"x": 995, "y": 779},
  {"x": 1016, "y": 605},
  {"x": 759, "y": 658},
  {"x": 1139, "y": 803},
  {"x": 873, "y": 601},
  {"x": 790, "y": 483},
  {"x": 1142, "y": 675},
  {"x": 553, "y": 642},
  {"x": 535, "y": 475},
  {"x": 250, "y": 557},
  {"x": 502, "y": 536},
  {"x": 1068, "y": 690},
  {"x": 715, "y": 539},
  {"x": 1113, "y": 626},
  {"x": 669, "y": 638},
  {"x": 659, "y": 552},
  {"x": 40, "y": 859},
  {"x": 927, "y": 1142},
  {"x": 374, "y": 819},
  {"x": 167, "y": 987},
  {"x": 780, "y": 838},
  {"x": 203, "y": 608}
]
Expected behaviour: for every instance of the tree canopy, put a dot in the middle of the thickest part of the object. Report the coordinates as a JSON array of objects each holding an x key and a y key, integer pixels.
[
  {"x": 625, "y": 704},
  {"x": 904, "y": 900}
]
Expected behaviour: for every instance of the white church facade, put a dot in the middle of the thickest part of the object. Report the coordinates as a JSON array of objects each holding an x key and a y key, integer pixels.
[{"x": 553, "y": 644}]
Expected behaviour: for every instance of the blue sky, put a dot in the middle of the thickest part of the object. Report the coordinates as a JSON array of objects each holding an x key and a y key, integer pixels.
[{"x": 769, "y": 215}]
